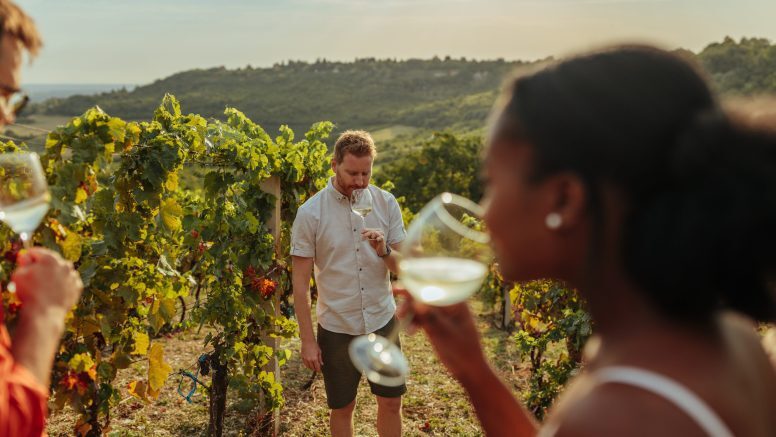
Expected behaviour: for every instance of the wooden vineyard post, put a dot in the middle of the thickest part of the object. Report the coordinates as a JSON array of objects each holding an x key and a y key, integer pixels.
[{"x": 271, "y": 425}]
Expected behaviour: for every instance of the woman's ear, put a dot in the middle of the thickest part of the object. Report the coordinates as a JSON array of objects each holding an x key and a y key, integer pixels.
[{"x": 566, "y": 201}]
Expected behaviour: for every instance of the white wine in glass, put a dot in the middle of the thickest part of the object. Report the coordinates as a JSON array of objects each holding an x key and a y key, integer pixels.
[
  {"x": 445, "y": 259},
  {"x": 24, "y": 195},
  {"x": 442, "y": 280},
  {"x": 361, "y": 202}
]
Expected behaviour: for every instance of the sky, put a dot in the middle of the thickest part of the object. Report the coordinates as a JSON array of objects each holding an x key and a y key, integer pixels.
[{"x": 138, "y": 41}]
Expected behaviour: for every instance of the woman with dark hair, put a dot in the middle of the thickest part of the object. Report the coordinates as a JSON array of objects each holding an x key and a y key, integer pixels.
[{"x": 619, "y": 173}]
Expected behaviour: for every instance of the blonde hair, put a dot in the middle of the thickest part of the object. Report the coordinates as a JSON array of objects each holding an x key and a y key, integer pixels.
[
  {"x": 356, "y": 142},
  {"x": 17, "y": 24}
]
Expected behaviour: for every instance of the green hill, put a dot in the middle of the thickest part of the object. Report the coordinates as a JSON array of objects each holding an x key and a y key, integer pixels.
[
  {"x": 367, "y": 93},
  {"x": 408, "y": 97}
]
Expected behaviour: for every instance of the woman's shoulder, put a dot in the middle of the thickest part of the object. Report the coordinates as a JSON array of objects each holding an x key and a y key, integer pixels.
[
  {"x": 748, "y": 349},
  {"x": 736, "y": 383},
  {"x": 593, "y": 408}
]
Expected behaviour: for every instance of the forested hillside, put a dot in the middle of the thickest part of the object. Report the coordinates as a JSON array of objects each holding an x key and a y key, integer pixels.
[{"x": 440, "y": 93}]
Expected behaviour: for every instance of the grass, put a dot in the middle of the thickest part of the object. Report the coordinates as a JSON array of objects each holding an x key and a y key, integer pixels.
[{"x": 434, "y": 403}]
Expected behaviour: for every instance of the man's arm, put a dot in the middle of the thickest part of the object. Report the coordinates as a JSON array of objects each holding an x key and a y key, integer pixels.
[
  {"x": 300, "y": 280},
  {"x": 392, "y": 260},
  {"x": 376, "y": 239}
]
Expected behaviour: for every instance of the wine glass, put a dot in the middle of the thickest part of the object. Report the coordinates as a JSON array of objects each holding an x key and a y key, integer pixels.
[
  {"x": 445, "y": 259},
  {"x": 361, "y": 203},
  {"x": 24, "y": 195}
]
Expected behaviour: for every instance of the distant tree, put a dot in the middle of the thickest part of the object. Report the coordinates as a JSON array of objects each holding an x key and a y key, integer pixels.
[
  {"x": 745, "y": 67},
  {"x": 445, "y": 162}
]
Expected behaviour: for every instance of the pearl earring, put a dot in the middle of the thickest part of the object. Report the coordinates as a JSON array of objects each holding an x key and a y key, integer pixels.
[{"x": 553, "y": 221}]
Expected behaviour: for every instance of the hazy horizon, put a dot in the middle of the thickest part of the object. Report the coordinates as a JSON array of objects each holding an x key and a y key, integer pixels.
[{"x": 96, "y": 42}]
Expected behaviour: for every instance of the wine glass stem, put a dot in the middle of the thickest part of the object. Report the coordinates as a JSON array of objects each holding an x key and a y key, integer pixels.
[
  {"x": 26, "y": 240},
  {"x": 403, "y": 323}
]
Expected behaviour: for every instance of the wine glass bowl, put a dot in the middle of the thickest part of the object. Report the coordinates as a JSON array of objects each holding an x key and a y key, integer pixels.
[
  {"x": 444, "y": 260},
  {"x": 361, "y": 202},
  {"x": 24, "y": 194},
  {"x": 448, "y": 252}
]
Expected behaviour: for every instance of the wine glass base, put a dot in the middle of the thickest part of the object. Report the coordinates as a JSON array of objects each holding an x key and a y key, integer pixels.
[{"x": 380, "y": 360}]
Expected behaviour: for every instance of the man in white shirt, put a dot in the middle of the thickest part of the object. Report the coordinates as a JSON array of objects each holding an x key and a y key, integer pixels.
[{"x": 351, "y": 259}]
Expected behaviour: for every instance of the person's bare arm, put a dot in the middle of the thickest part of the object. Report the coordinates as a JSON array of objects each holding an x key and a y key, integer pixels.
[
  {"x": 48, "y": 287},
  {"x": 455, "y": 339},
  {"x": 392, "y": 260},
  {"x": 769, "y": 343},
  {"x": 300, "y": 279}
]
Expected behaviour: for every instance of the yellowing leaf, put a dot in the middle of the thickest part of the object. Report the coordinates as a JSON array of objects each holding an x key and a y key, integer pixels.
[
  {"x": 171, "y": 214},
  {"x": 88, "y": 325},
  {"x": 167, "y": 309},
  {"x": 141, "y": 343},
  {"x": 116, "y": 128},
  {"x": 139, "y": 389},
  {"x": 80, "y": 362},
  {"x": 71, "y": 246},
  {"x": 158, "y": 370},
  {"x": 92, "y": 372},
  {"x": 120, "y": 360},
  {"x": 155, "y": 318},
  {"x": 172, "y": 182},
  {"x": 80, "y": 195}
]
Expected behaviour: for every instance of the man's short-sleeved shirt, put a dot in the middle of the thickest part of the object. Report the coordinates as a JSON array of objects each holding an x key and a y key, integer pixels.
[{"x": 354, "y": 290}]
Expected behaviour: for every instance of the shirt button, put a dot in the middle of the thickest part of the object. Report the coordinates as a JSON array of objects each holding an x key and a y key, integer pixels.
[
  {"x": 356, "y": 250},
  {"x": 354, "y": 230},
  {"x": 359, "y": 269}
]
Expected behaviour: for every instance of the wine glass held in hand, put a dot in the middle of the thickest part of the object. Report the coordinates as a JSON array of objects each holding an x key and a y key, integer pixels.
[
  {"x": 361, "y": 202},
  {"x": 445, "y": 259},
  {"x": 24, "y": 195}
]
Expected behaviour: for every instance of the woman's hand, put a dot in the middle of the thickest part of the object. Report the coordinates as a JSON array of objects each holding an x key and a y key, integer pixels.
[
  {"x": 452, "y": 332},
  {"x": 49, "y": 287},
  {"x": 46, "y": 281}
]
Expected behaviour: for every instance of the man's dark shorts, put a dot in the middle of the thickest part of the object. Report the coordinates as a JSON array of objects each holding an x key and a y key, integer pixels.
[{"x": 340, "y": 377}]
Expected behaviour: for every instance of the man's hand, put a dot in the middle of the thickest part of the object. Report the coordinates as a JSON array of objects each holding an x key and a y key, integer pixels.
[
  {"x": 311, "y": 355},
  {"x": 376, "y": 239}
]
